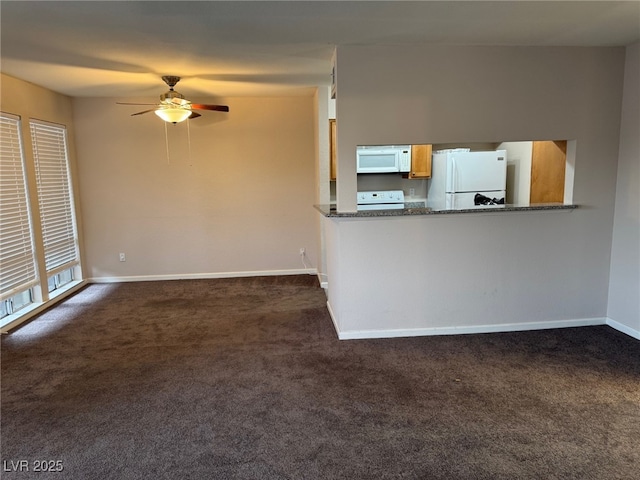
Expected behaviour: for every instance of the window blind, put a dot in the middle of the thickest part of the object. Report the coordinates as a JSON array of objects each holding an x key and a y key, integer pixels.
[
  {"x": 54, "y": 195},
  {"x": 17, "y": 259}
]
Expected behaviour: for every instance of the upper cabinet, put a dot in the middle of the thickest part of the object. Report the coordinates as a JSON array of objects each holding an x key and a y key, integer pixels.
[{"x": 420, "y": 161}]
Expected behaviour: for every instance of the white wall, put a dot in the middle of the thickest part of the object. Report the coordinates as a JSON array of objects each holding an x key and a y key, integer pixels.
[
  {"x": 237, "y": 201},
  {"x": 624, "y": 286},
  {"x": 323, "y": 110},
  {"x": 437, "y": 274},
  {"x": 546, "y": 268}
]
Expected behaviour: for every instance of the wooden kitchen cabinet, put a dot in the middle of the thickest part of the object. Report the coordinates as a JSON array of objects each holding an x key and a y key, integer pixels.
[
  {"x": 332, "y": 150},
  {"x": 420, "y": 161},
  {"x": 548, "y": 163}
]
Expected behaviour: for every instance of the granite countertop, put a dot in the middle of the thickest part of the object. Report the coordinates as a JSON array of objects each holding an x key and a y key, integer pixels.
[{"x": 418, "y": 208}]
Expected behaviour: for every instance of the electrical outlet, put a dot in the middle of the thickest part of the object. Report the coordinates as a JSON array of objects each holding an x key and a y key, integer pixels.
[
  {"x": 302, "y": 252},
  {"x": 123, "y": 257},
  {"x": 412, "y": 192}
]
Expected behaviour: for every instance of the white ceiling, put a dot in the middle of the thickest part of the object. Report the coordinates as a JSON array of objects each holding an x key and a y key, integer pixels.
[{"x": 120, "y": 49}]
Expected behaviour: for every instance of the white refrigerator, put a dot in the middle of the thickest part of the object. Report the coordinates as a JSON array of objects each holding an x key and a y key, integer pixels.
[{"x": 461, "y": 179}]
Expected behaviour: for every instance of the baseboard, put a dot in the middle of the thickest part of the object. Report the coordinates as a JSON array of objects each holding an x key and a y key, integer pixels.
[
  {"x": 333, "y": 319},
  {"x": 471, "y": 329},
  {"x": 323, "y": 279},
  {"x": 198, "y": 276},
  {"x": 623, "y": 328}
]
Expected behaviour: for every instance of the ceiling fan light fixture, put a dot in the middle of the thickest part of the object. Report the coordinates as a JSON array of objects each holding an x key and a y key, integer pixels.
[
  {"x": 173, "y": 115},
  {"x": 173, "y": 107}
]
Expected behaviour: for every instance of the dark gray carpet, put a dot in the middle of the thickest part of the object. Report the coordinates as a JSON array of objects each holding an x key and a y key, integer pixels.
[{"x": 245, "y": 379}]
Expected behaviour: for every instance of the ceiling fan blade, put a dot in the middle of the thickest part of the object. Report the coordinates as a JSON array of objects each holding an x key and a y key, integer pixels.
[
  {"x": 194, "y": 115},
  {"x": 144, "y": 111},
  {"x": 219, "y": 108},
  {"x": 125, "y": 103}
]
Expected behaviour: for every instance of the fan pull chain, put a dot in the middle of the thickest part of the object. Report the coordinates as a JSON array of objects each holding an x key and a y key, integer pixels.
[
  {"x": 166, "y": 141},
  {"x": 189, "y": 141}
]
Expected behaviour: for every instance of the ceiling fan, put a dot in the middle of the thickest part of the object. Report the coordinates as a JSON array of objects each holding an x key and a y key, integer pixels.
[{"x": 173, "y": 107}]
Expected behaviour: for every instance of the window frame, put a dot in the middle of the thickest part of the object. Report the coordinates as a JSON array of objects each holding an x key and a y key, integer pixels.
[
  {"x": 55, "y": 196},
  {"x": 17, "y": 221},
  {"x": 63, "y": 272}
]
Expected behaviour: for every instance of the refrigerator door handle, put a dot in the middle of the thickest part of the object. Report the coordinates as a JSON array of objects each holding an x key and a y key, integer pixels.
[
  {"x": 452, "y": 176},
  {"x": 455, "y": 175}
]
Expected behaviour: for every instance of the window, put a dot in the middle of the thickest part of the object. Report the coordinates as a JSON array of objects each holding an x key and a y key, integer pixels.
[
  {"x": 55, "y": 197},
  {"x": 29, "y": 248},
  {"x": 17, "y": 258},
  {"x": 16, "y": 302},
  {"x": 60, "y": 279}
]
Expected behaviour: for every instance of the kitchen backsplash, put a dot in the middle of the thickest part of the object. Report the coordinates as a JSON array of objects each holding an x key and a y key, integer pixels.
[{"x": 393, "y": 181}]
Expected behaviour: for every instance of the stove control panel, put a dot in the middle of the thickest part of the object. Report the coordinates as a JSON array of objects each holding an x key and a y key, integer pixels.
[
  {"x": 381, "y": 200},
  {"x": 385, "y": 196}
]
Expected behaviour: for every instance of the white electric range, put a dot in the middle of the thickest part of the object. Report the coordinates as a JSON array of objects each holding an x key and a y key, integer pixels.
[{"x": 381, "y": 200}]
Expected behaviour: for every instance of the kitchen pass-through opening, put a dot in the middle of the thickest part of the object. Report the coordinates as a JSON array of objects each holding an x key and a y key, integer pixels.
[{"x": 536, "y": 172}]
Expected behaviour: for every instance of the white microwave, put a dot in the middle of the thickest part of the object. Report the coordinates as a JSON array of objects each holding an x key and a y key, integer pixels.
[{"x": 383, "y": 158}]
